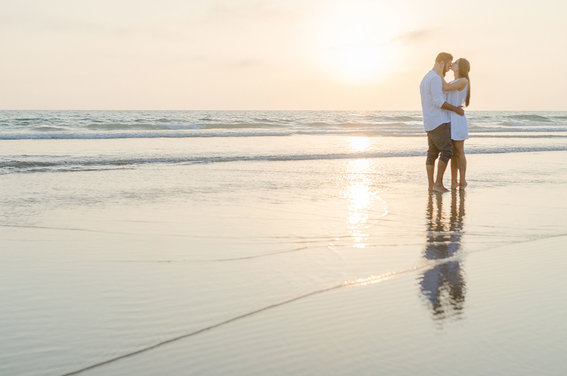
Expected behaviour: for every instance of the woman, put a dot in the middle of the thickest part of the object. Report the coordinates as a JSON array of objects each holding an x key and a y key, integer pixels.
[{"x": 459, "y": 94}]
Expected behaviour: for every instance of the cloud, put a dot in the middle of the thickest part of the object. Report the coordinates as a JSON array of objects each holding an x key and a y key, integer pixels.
[
  {"x": 414, "y": 36},
  {"x": 229, "y": 62},
  {"x": 247, "y": 63},
  {"x": 251, "y": 9}
]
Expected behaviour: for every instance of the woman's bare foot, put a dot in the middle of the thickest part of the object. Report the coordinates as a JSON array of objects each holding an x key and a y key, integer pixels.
[
  {"x": 463, "y": 184},
  {"x": 454, "y": 185},
  {"x": 439, "y": 188}
]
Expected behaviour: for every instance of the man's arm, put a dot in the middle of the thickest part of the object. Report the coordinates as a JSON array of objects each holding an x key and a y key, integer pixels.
[{"x": 458, "y": 110}]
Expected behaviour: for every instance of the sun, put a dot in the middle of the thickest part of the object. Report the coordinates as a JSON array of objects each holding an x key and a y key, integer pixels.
[{"x": 352, "y": 41}]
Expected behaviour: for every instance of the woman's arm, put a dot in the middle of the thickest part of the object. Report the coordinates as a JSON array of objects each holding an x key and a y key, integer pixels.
[{"x": 458, "y": 84}]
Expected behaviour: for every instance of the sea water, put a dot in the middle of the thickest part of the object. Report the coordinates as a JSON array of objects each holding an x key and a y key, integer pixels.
[
  {"x": 74, "y": 140},
  {"x": 149, "y": 241},
  {"x": 217, "y": 136}
]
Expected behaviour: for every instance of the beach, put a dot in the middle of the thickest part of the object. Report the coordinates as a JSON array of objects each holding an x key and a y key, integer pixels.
[{"x": 281, "y": 249}]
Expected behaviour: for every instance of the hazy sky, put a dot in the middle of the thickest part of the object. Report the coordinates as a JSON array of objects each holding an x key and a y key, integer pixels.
[{"x": 255, "y": 54}]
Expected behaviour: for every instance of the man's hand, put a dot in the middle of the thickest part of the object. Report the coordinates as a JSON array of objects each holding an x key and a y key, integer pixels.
[{"x": 459, "y": 110}]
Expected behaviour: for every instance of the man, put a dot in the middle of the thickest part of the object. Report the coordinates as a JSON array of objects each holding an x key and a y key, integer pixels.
[{"x": 436, "y": 121}]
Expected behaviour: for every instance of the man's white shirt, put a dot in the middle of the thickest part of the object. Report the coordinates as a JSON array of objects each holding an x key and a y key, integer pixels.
[{"x": 432, "y": 98}]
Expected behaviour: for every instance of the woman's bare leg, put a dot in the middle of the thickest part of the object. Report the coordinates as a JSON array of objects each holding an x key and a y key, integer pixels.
[
  {"x": 461, "y": 165},
  {"x": 454, "y": 167}
]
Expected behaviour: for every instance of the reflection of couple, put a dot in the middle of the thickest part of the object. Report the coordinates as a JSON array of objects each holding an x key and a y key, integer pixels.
[
  {"x": 444, "y": 284},
  {"x": 444, "y": 120}
]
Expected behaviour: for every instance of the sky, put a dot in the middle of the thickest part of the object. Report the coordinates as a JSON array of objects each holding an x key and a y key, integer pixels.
[{"x": 276, "y": 55}]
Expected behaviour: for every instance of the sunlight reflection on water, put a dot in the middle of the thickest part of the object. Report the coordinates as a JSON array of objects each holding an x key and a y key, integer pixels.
[{"x": 364, "y": 202}]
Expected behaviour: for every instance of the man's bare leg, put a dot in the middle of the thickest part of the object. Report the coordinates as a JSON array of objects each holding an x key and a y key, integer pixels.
[
  {"x": 430, "y": 172},
  {"x": 438, "y": 185}
]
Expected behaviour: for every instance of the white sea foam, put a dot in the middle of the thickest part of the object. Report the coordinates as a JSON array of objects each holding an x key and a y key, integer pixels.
[
  {"x": 66, "y": 163},
  {"x": 16, "y": 125}
]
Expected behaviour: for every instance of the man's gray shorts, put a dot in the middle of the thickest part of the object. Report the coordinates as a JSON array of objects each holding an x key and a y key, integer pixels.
[{"x": 439, "y": 141}]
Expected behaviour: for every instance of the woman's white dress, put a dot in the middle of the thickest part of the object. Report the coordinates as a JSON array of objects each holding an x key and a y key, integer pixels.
[{"x": 459, "y": 126}]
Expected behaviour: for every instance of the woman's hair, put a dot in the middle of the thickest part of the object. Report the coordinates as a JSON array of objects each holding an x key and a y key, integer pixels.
[{"x": 464, "y": 69}]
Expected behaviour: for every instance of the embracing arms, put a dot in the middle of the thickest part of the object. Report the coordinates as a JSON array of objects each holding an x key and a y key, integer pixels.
[
  {"x": 458, "y": 84},
  {"x": 458, "y": 110},
  {"x": 439, "y": 99}
]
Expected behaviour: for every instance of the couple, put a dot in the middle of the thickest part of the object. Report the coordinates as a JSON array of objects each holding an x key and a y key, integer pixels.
[{"x": 444, "y": 120}]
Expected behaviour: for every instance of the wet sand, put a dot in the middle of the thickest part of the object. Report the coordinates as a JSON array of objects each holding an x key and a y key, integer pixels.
[{"x": 326, "y": 267}]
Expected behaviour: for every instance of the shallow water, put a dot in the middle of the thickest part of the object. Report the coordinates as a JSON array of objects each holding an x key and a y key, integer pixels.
[{"x": 315, "y": 265}]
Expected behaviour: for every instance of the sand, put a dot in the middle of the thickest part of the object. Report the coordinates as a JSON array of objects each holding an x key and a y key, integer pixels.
[{"x": 311, "y": 267}]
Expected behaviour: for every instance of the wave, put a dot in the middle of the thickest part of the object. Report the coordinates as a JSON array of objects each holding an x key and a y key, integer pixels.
[
  {"x": 169, "y": 125},
  {"x": 71, "y": 164},
  {"x": 391, "y": 130},
  {"x": 59, "y": 165},
  {"x": 140, "y": 126},
  {"x": 268, "y": 120},
  {"x": 25, "y": 164},
  {"x": 529, "y": 117},
  {"x": 30, "y": 125},
  {"x": 524, "y": 134},
  {"x": 241, "y": 125},
  {"x": 149, "y": 134},
  {"x": 509, "y": 125},
  {"x": 29, "y": 119},
  {"x": 403, "y": 118},
  {"x": 47, "y": 128}
]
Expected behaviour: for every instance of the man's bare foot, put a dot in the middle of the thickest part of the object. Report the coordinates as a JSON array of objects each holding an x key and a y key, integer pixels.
[
  {"x": 454, "y": 185},
  {"x": 439, "y": 188},
  {"x": 463, "y": 184}
]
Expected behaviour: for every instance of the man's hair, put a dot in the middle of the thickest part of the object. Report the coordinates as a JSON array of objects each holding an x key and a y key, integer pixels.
[{"x": 444, "y": 57}]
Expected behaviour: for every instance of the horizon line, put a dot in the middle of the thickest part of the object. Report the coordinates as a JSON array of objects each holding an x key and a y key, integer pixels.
[{"x": 271, "y": 110}]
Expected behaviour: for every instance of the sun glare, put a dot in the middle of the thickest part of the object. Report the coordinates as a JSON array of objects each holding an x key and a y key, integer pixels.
[
  {"x": 359, "y": 143},
  {"x": 353, "y": 41}
]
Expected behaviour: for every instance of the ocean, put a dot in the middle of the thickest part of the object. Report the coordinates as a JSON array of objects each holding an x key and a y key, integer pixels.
[
  {"x": 227, "y": 136},
  {"x": 278, "y": 242}
]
